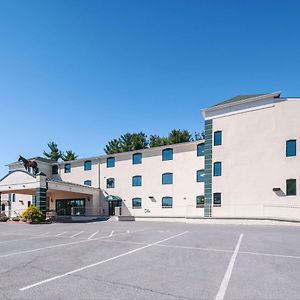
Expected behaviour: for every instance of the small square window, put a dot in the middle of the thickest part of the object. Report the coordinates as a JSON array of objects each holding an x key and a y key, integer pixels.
[
  {"x": 88, "y": 182},
  {"x": 167, "y": 178},
  {"x": 67, "y": 168},
  {"x": 87, "y": 165},
  {"x": 200, "y": 201},
  {"x": 136, "y": 203},
  {"x": 291, "y": 146},
  {"x": 217, "y": 199},
  {"x": 137, "y": 181},
  {"x": 291, "y": 188},
  {"x": 200, "y": 150},
  {"x": 110, "y": 183},
  {"x": 217, "y": 138},
  {"x": 167, "y": 202},
  {"x": 217, "y": 168},
  {"x": 54, "y": 170},
  {"x": 137, "y": 158},
  {"x": 167, "y": 154},
  {"x": 200, "y": 175},
  {"x": 110, "y": 162}
]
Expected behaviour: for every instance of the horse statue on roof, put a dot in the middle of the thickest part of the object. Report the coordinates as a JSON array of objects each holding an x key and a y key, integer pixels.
[{"x": 29, "y": 164}]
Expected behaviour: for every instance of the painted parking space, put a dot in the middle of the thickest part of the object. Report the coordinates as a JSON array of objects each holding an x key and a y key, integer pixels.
[{"x": 145, "y": 261}]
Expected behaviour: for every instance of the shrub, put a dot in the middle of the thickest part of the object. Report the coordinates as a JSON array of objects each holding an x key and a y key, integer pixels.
[
  {"x": 32, "y": 213},
  {"x": 16, "y": 219},
  {"x": 3, "y": 218}
]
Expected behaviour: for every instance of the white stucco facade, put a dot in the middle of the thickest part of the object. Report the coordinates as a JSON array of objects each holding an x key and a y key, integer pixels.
[{"x": 252, "y": 182}]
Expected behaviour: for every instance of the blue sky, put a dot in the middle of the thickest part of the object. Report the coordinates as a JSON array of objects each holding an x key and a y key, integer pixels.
[{"x": 83, "y": 72}]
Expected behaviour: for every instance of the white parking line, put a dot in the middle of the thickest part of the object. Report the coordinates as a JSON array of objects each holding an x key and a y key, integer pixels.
[
  {"x": 99, "y": 262},
  {"x": 61, "y": 245},
  {"x": 91, "y": 236},
  {"x": 76, "y": 234},
  {"x": 61, "y": 233},
  {"x": 227, "y": 275},
  {"x": 112, "y": 232}
]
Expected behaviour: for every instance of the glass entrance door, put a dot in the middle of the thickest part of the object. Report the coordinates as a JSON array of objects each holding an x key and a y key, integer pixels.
[
  {"x": 68, "y": 207},
  {"x": 112, "y": 205}
]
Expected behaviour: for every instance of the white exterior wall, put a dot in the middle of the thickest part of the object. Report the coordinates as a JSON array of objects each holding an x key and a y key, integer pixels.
[
  {"x": 184, "y": 189},
  {"x": 78, "y": 174},
  {"x": 253, "y": 156}
]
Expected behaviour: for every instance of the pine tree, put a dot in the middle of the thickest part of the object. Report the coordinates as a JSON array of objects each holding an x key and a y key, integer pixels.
[
  {"x": 69, "y": 155},
  {"x": 55, "y": 153}
]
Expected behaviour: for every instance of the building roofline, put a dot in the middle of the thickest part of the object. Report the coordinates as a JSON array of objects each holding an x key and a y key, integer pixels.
[
  {"x": 177, "y": 145},
  {"x": 230, "y": 104}
]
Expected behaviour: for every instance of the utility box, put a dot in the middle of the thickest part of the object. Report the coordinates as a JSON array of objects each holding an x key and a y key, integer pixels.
[{"x": 118, "y": 211}]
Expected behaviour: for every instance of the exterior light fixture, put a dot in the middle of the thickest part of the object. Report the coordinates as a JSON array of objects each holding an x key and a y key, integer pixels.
[{"x": 276, "y": 189}]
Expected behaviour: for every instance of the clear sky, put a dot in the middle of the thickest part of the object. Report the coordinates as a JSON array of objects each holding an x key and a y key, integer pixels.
[{"x": 83, "y": 72}]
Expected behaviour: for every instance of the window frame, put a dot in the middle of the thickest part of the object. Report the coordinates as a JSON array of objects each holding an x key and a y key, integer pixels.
[
  {"x": 139, "y": 162},
  {"x": 163, "y": 154},
  {"x": 220, "y": 134},
  {"x": 162, "y": 178},
  {"x": 288, "y": 189},
  {"x": 200, "y": 152},
  {"x": 166, "y": 206},
  {"x": 112, "y": 180},
  {"x": 66, "y": 169},
  {"x": 85, "y": 168},
  {"x": 55, "y": 167},
  {"x": 215, "y": 173},
  {"x": 134, "y": 206},
  {"x": 214, "y": 200},
  {"x": 200, "y": 205},
  {"x": 294, "y": 141},
  {"x": 201, "y": 170},
  {"x": 135, "y": 177},
  {"x": 88, "y": 180},
  {"x": 110, "y": 159}
]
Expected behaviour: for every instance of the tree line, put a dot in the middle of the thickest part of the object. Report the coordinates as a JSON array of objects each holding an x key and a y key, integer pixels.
[
  {"x": 129, "y": 142},
  {"x": 137, "y": 141}
]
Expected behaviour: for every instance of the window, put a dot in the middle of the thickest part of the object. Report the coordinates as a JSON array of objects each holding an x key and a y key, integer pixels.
[
  {"x": 137, "y": 181},
  {"x": 217, "y": 199},
  {"x": 167, "y": 154},
  {"x": 136, "y": 203},
  {"x": 87, "y": 165},
  {"x": 200, "y": 201},
  {"x": 167, "y": 178},
  {"x": 200, "y": 150},
  {"x": 137, "y": 158},
  {"x": 217, "y": 168},
  {"x": 110, "y": 162},
  {"x": 54, "y": 170},
  {"x": 110, "y": 183},
  {"x": 291, "y": 187},
  {"x": 217, "y": 138},
  {"x": 67, "y": 168},
  {"x": 167, "y": 202},
  {"x": 200, "y": 176},
  {"x": 291, "y": 148},
  {"x": 13, "y": 197},
  {"x": 88, "y": 182}
]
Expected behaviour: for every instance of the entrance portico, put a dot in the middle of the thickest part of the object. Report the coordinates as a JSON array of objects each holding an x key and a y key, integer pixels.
[{"x": 62, "y": 198}]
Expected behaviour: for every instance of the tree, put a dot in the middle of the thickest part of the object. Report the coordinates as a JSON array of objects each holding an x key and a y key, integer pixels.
[
  {"x": 179, "y": 136},
  {"x": 112, "y": 147},
  {"x": 55, "y": 153},
  {"x": 127, "y": 142},
  {"x": 199, "y": 136},
  {"x": 69, "y": 155},
  {"x": 156, "y": 141}
]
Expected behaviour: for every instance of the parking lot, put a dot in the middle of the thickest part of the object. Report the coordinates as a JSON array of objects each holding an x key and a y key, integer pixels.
[{"x": 149, "y": 260}]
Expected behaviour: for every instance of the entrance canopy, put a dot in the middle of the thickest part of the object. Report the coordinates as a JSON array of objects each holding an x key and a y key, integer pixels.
[
  {"x": 112, "y": 198},
  {"x": 22, "y": 182}
]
